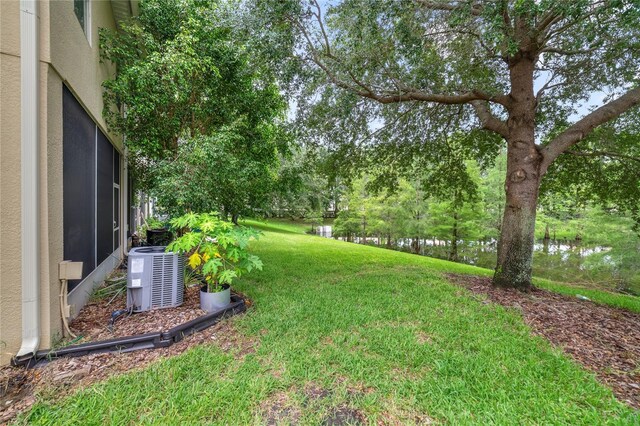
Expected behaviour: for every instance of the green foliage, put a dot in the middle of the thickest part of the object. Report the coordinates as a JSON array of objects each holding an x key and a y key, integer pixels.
[
  {"x": 223, "y": 171},
  {"x": 216, "y": 249},
  {"x": 151, "y": 223},
  {"x": 154, "y": 223},
  {"x": 200, "y": 115},
  {"x": 400, "y": 213},
  {"x": 355, "y": 217},
  {"x": 409, "y": 211},
  {"x": 605, "y": 168},
  {"x": 493, "y": 196},
  {"x": 309, "y": 193},
  {"x": 111, "y": 288}
]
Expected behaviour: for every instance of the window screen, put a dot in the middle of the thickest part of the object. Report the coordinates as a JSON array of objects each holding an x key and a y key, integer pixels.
[
  {"x": 104, "y": 232},
  {"x": 91, "y": 176},
  {"x": 78, "y": 171}
]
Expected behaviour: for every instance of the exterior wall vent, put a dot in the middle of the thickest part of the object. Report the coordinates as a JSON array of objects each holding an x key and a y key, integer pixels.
[{"x": 155, "y": 279}]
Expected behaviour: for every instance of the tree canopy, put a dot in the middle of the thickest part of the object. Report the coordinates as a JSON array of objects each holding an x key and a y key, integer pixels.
[
  {"x": 389, "y": 82},
  {"x": 201, "y": 117}
]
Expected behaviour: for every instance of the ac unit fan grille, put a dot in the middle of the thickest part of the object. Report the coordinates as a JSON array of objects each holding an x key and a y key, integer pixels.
[{"x": 162, "y": 285}]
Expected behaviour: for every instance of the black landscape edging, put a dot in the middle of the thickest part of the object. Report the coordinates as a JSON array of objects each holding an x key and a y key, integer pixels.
[{"x": 160, "y": 339}]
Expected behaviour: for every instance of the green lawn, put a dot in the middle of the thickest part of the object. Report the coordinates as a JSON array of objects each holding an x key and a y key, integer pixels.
[
  {"x": 340, "y": 326},
  {"x": 618, "y": 300}
]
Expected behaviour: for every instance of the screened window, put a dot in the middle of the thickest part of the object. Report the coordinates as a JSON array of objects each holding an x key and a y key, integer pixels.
[{"x": 91, "y": 189}]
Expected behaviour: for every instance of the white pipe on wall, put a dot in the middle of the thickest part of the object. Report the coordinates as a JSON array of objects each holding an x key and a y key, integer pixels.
[{"x": 29, "y": 174}]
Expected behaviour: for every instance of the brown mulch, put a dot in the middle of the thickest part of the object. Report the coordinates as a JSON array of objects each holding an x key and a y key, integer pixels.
[
  {"x": 55, "y": 379},
  {"x": 603, "y": 339},
  {"x": 92, "y": 322}
]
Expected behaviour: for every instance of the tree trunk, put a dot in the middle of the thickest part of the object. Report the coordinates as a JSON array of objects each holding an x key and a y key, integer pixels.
[
  {"x": 515, "y": 248},
  {"x": 415, "y": 245},
  {"x": 234, "y": 218},
  {"x": 522, "y": 183},
  {"x": 453, "y": 254}
]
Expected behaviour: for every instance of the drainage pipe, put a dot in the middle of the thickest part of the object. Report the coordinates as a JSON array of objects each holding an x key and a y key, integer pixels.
[
  {"x": 154, "y": 340},
  {"x": 29, "y": 175}
]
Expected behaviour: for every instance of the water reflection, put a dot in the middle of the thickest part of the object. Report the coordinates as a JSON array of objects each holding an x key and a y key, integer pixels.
[{"x": 559, "y": 260}]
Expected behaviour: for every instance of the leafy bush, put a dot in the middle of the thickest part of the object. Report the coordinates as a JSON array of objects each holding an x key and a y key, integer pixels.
[
  {"x": 201, "y": 107},
  {"x": 216, "y": 249},
  {"x": 150, "y": 223}
]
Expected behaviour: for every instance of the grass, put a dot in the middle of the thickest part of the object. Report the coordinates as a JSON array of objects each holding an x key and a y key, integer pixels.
[
  {"x": 618, "y": 300},
  {"x": 280, "y": 225},
  {"x": 381, "y": 332},
  {"x": 631, "y": 303}
]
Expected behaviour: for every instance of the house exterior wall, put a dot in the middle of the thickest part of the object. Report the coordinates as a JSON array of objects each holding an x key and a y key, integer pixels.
[
  {"x": 10, "y": 221},
  {"x": 10, "y": 151},
  {"x": 51, "y": 243},
  {"x": 77, "y": 61},
  {"x": 66, "y": 57}
]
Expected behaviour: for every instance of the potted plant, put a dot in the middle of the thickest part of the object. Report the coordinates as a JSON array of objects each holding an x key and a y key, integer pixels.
[
  {"x": 157, "y": 232},
  {"x": 218, "y": 251}
]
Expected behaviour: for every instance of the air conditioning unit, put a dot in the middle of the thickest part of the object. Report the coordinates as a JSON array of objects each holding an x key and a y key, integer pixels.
[{"x": 155, "y": 279}]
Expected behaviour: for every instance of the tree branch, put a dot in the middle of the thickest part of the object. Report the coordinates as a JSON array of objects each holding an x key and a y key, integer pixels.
[
  {"x": 476, "y": 8},
  {"x": 548, "y": 86},
  {"x": 570, "y": 52},
  {"x": 585, "y": 126},
  {"x": 603, "y": 154},
  {"x": 488, "y": 120},
  {"x": 405, "y": 94},
  {"x": 552, "y": 33},
  {"x": 318, "y": 16},
  {"x": 547, "y": 21}
]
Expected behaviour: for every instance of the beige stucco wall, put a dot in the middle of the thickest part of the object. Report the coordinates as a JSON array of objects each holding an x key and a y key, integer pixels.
[
  {"x": 66, "y": 56},
  {"x": 10, "y": 219},
  {"x": 10, "y": 27},
  {"x": 10, "y": 250},
  {"x": 76, "y": 60},
  {"x": 51, "y": 211}
]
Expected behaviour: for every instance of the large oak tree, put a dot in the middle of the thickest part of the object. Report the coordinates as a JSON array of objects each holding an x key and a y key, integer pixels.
[{"x": 522, "y": 70}]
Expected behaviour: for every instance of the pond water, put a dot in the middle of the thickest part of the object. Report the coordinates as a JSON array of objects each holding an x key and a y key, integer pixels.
[{"x": 561, "y": 260}]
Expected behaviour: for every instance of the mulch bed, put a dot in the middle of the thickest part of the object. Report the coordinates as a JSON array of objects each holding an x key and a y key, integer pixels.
[
  {"x": 92, "y": 322},
  {"x": 603, "y": 339},
  {"x": 18, "y": 386}
]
